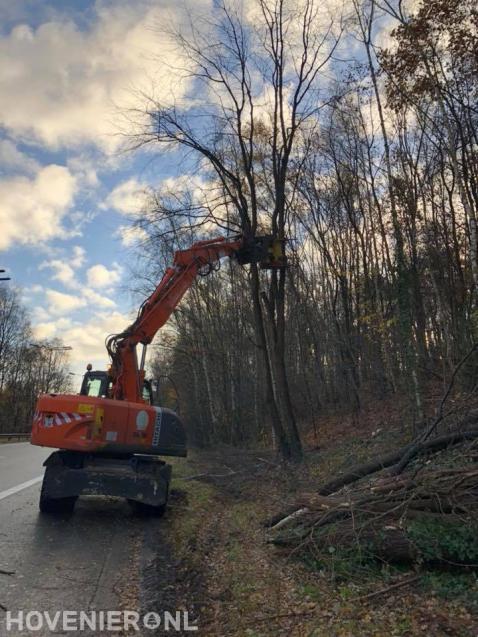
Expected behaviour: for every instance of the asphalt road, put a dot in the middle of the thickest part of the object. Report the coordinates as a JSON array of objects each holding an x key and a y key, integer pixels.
[
  {"x": 88, "y": 560},
  {"x": 20, "y": 462}
]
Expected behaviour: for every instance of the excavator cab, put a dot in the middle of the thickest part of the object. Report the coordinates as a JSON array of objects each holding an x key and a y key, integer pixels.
[
  {"x": 99, "y": 384},
  {"x": 95, "y": 383}
]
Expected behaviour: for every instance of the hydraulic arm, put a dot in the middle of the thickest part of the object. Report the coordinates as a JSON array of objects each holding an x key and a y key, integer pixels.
[{"x": 200, "y": 258}]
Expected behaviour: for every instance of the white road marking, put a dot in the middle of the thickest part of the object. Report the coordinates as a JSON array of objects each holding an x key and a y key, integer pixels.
[{"x": 20, "y": 487}]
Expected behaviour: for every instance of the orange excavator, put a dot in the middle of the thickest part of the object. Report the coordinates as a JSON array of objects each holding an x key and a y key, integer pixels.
[{"x": 110, "y": 436}]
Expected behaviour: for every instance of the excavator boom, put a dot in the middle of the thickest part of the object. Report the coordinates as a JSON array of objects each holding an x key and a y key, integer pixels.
[{"x": 200, "y": 258}]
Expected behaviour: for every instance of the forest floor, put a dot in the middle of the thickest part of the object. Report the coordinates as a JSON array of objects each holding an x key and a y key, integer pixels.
[{"x": 233, "y": 582}]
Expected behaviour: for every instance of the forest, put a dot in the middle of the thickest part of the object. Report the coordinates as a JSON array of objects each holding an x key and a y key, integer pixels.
[
  {"x": 365, "y": 166},
  {"x": 329, "y": 485},
  {"x": 348, "y": 369},
  {"x": 28, "y": 366}
]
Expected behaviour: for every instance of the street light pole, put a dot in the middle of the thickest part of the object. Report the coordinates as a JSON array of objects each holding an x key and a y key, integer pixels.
[{"x": 52, "y": 348}]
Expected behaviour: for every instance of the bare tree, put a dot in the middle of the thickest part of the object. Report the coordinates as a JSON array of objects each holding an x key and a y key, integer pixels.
[
  {"x": 376, "y": 189},
  {"x": 261, "y": 80},
  {"x": 27, "y": 367}
]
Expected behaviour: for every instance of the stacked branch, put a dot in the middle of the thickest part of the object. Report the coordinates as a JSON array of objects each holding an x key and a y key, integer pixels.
[{"x": 427, "y": 515}]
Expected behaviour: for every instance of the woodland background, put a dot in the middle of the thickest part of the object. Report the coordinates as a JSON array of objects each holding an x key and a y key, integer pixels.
[
  {"x": 28, "y": 367},
  {"x": 368, "y": 168},
  {"x": 350, "y": 132}
]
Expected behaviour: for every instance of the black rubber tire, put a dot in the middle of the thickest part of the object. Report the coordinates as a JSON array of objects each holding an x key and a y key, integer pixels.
[
  {"x": 56, "y": 505},
  {"x": 148, "y": 510},
  {"x": 142, "y": 509}
]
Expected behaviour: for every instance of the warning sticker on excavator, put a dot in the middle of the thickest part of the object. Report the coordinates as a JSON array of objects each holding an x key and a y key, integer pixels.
[
  {"x": 98, "y": 424},
  {"x": 85, "y": 408}
]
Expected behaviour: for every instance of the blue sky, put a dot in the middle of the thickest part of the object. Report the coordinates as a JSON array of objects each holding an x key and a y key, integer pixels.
[{"x": 69, "y": 72}]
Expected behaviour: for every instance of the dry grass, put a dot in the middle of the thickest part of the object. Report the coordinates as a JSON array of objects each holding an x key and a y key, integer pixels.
[{"x": 244, "y": 586}]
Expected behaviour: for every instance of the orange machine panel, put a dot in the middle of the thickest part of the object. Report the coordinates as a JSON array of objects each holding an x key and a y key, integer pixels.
[
  {"x": 103, "y": 425},
  {"x": 79, "y": 423}
]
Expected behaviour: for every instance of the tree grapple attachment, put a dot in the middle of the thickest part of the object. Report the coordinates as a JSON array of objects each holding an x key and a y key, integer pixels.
[{"x": 266, "y": 250}]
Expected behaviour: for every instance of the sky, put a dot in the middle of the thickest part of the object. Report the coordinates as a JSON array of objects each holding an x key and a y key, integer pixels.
[
  {"x": 70, "y": 70},
  {"x": 71, "y": 74}
]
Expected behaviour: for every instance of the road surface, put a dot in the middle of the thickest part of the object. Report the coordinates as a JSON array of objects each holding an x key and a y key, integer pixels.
[{"x": 84, "y": 561}]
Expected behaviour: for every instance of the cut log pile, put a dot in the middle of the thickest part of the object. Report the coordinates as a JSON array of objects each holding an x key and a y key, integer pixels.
[{"x": 429, "y": 514}]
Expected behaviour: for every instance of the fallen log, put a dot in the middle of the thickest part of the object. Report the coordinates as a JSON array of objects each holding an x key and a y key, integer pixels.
[
  {"x": 289, "y": 518},
  {"x": 412, "y": 450},
  {"x": 369, "y": 468},
  {"x": 384, "y": 538}
]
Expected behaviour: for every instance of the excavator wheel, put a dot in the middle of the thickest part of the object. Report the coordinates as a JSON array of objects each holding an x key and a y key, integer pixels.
[
  {"x": 142, "y": 509},
  {"x": 56, "y": 505},
  {"x": 147, "y": 510}
]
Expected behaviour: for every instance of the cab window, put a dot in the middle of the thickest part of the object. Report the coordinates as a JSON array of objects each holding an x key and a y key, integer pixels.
[
  {"x": 93, "y": 387},
  {"x": 147, "y": 394}
]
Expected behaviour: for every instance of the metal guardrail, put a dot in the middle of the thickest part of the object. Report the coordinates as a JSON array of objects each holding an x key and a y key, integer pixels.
[{"x": 15, "y": 436}]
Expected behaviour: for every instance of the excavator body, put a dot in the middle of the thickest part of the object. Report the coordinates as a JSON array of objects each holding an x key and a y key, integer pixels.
[
  {"x": 109, "y": 436},
  {"x": 100, "y": 425},
  {"x": 106, "y": 447}
]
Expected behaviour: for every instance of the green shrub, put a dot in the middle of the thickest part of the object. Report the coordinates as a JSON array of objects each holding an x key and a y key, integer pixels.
[
  {"x": 442, "y": 540},
  {"x": 462, "y": 587}
]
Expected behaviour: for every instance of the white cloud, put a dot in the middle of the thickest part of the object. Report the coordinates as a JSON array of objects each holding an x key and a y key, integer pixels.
[
  {"x": 62, "y": 272},
  {"x": 131, "y": 235},
  {"x": 44, "y": 330},
  {"x": 34, "y": 289},
  {"x": 60, "y": 303},
  {"x": 50, "y": 329},
  {"x": 32, "y": 210},
  {"x": 41, "y": 314},
  {"x": 98, "y": 300},
  {"x": 62, "y": 84},
  {"x": 86, "y": 338},
  {"x": 79, "y": 255},
  {"x": 15, "y": 160},
  {"x": 83, "y": 167},
  {"x": 99, "y": 276},
  {"x": 127, "y": 198}
]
